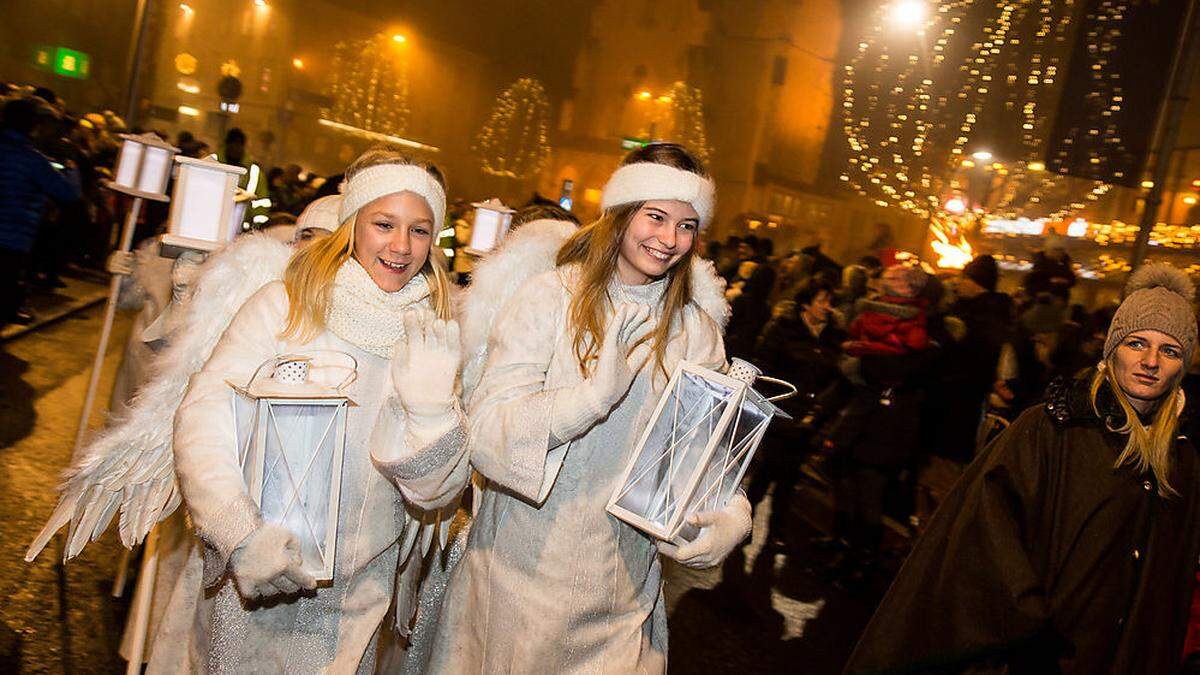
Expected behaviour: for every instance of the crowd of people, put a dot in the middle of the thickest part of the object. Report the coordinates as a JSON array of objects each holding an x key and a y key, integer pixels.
[{"x": 565, "y": 331}]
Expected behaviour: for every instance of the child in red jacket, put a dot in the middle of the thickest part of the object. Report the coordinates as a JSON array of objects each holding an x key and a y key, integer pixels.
[{"x": 894, "y": 323}]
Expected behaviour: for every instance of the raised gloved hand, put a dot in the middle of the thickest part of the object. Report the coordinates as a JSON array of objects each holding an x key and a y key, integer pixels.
[
  {"x": 425, "y": 364},
  {"x": 576, "y": 409},
  {"x": 120, "y": 262},
  {"x": 721, "y": 531},
  {"x": 268, "y": 563}
]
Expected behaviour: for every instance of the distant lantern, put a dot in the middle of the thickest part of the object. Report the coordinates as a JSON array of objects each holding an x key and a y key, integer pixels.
[
  {"x": 492, "y": 221},
  {"x": 695, "y": 450},
  {"x": 291, "y": 438},
  {"x": 143, "y": 166},
  {"x": 203, "y": 206}
]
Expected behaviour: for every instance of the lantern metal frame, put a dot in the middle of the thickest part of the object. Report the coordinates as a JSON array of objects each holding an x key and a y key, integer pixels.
[
  {"x": 711, "y": 478},
  {"x": 254, "y": 411}
]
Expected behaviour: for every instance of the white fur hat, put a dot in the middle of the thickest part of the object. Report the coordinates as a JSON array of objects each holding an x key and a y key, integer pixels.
[
  {"x": 644, "y": 181},
  {"x": 321, "y": 213}
]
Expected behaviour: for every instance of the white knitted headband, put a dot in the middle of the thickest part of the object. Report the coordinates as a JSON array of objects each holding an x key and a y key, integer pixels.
[
  {"x": 385, "y": 179},
  {"x": 644, "y": 181}
]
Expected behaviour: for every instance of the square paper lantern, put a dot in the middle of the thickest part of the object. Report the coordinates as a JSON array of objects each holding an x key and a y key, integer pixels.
[
  {"x": 291, "y": 437},
  {"x": 694, "y": 451},
  {"x": 203, "y": 209},
  {"x": 143, "y": 166},
  {"x": 492, "y": 220}
]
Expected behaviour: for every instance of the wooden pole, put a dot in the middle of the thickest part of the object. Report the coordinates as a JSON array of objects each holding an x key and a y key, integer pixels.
[{"x": 110, "y": 310}]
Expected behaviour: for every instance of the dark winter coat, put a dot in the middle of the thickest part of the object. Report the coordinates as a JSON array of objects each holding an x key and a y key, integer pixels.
[
  {"x": 965, "y": 373},
  {"x": 1046, "y": 559},
  {"x": 787, "y": 349},
  {"x": 878, "y": 423}
]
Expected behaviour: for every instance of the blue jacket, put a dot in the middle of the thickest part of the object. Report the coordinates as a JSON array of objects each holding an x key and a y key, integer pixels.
[{"x": 26, "y": 181}]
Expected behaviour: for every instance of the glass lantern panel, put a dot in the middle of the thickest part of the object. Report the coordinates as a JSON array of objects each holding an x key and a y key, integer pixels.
[
  {"x": 733, "y": 453},
  {"x": 675, "y": 448},
  {"x": 298, "y": 470},
  {"x": 245, "y": 421}
]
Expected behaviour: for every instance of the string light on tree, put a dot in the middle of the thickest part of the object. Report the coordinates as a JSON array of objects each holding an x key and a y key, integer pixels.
[
  {"x": 513, "y": 142},
  {"x": 368, "y": 86},
  {"x": 688, "y": 127},
  {"x": 934, "y": 83}
]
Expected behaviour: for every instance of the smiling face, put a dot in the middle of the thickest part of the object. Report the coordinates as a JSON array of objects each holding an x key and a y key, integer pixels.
[
  {"x": 1146, "y": 364},
  {"x": 392, "y": 237},
  {"x": 659, "y": 234}
]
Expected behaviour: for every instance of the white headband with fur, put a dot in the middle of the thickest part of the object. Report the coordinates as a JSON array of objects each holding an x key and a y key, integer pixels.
[
  {"x": 385, "y": 179},
  {"x": 644, "y": 181}
]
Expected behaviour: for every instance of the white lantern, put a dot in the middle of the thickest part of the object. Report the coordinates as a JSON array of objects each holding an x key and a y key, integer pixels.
[
  {"x": 143, "y": 166},
  {"x": 291, "y": 437},
  {"x": 203, "y": 208},
  {"x": 694, "y": 451},
  {"x": 492, "y": 220}
]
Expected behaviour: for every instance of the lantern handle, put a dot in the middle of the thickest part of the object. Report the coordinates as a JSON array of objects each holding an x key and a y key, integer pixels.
[
  {"x": 780, "y": 397},
  {"x": 283, "y": 358}
]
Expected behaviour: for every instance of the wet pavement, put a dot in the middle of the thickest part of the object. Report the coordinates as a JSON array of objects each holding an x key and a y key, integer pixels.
[
  {"x": 763, "y": 613},
  {"x": 54, "y": 618}
]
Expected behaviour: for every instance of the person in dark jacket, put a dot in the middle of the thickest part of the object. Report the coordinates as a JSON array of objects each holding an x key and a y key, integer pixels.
[
  {"x": 1051, "y": 275},
  {"x": 27, "y": 180},
  {"x": 801, "y": 347},
  {"x": 966, "y": 370},
  {"x": 1069, "y": 546}
]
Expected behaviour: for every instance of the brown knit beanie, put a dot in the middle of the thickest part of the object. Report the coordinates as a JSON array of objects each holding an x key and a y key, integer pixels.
[{"x": 1157, "y": 297}]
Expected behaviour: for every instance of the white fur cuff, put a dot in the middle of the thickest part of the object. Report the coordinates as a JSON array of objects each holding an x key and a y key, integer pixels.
[
  {"x": 379, "y": 181},
  {"x": 645, "y": 181}
]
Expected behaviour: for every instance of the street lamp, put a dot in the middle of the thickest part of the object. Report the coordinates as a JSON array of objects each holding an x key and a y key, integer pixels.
[
  {"x": 399, "y": 39},
  {"x": 956, "y": 205},
  {"x": 982, "y": 155},
  {"x": 907, "y": 13}
]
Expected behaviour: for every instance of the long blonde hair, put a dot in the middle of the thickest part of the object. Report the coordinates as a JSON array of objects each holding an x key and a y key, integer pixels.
[
  {"x": 310, "y": 273},
  {"x": 1150, "y": 447},
  {"x": 596, "y": 249}
]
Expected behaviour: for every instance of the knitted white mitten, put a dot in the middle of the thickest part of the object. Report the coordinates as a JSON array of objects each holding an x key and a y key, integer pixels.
[
  {"x": 576, "y": 409},
  {"x": 721, "y": 532},
  {"x": 267, "y": 563}
]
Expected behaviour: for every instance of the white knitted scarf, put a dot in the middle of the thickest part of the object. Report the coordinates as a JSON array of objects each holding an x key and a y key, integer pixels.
[{"x": 365, "y": 315}]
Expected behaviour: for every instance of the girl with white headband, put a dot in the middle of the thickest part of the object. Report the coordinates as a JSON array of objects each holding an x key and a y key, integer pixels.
[
  {"x": 576, "y": 360},
  {"x": 375, "y": 289}
]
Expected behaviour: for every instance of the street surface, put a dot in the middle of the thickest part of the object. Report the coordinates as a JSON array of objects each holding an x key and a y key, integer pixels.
[{"x": 775, "y": 616}]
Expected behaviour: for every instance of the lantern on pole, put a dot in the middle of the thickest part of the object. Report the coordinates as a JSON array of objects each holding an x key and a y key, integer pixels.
[
  {"x": 291, "y": 437},
  {"x": 492, "y": 220},
  {"x": 695, "y": 449},
  {"x": 206, "y": 213},
  {"x": 142, "y": 172},
  {"x": 143, "y": 166}
]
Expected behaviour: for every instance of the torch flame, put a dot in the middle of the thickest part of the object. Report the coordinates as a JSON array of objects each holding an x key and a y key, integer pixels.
[{"x": 953, "y": 249}]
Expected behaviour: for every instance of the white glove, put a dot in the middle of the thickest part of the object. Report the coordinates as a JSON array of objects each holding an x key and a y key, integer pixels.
[
  {"x": 120, "y": 262},
  {"x": 267, "y": 563},
  {"x": 425, "y": 364},
  {"x": 576, "y": 409},
  {"x": 721, "y": 532}
]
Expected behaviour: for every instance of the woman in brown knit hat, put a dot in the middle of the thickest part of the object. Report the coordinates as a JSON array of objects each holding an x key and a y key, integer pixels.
[{"x": 1069, "y": 545}]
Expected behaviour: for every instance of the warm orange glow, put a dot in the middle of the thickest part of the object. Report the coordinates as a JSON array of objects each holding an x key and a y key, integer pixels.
[
  {"x": 1037, "y": 166},
  {"x": 298, "y": 63},
  {"x": 261, "y": 4},
  {"x": 399, "y": 39},
  {"x": 968, "y": 164},
  {"x": 645, "y": 95},
  {"x": 1147, "y": 184},
  {"x": 186, "y": 8},
  {"x": 664, "y": 99},
  {"x": 1189, "y": 200},
  {"x": 953, "y": 249}
]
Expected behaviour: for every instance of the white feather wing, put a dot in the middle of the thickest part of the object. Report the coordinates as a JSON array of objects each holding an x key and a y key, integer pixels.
[{"x": 130, "y": 467}]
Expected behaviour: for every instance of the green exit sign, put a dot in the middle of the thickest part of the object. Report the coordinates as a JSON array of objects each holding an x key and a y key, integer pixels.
[
  {"x": 71, "y": 63},
  {"x": 633, "y": 143}
]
